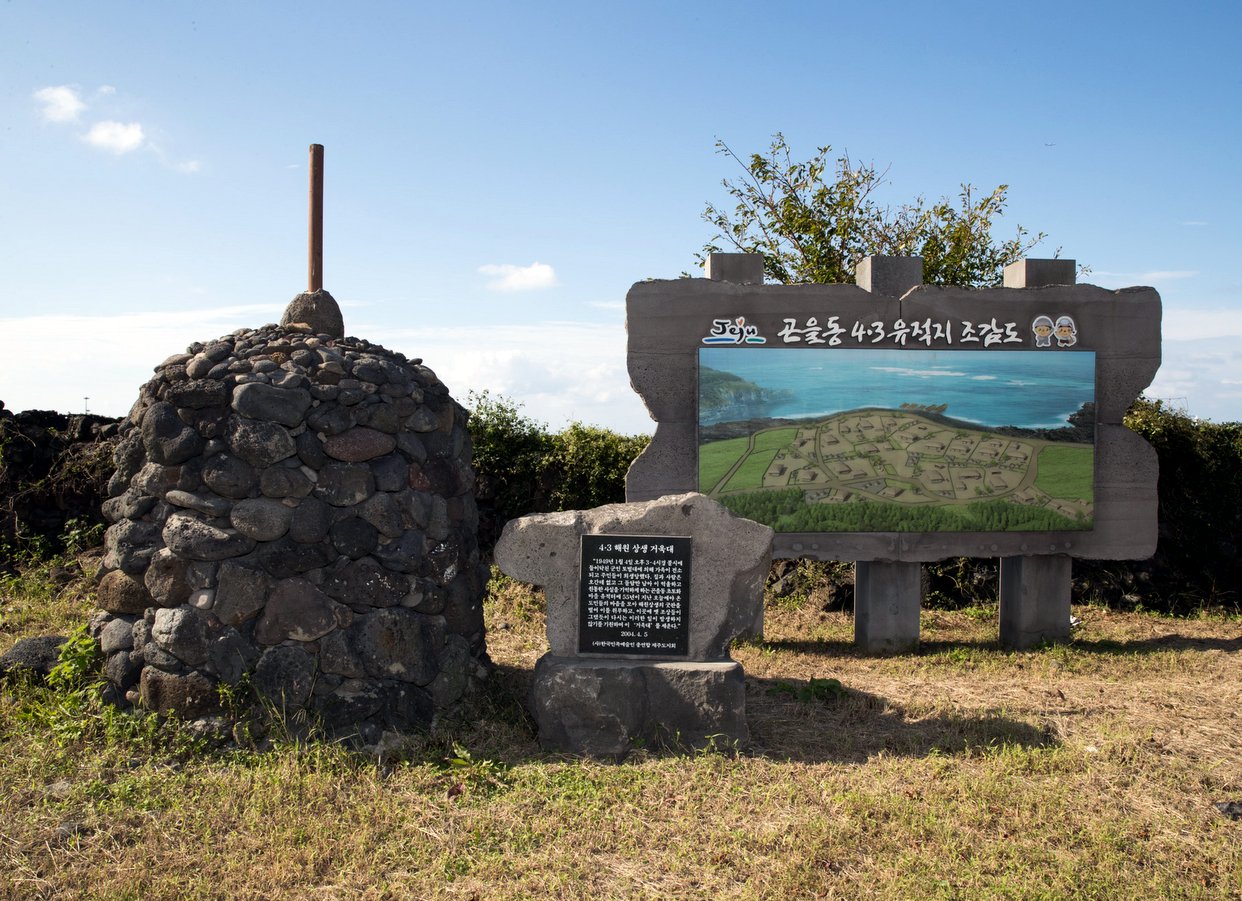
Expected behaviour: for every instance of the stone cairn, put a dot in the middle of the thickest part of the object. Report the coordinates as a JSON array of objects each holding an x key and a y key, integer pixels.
[{"x": 296, "y": 508}]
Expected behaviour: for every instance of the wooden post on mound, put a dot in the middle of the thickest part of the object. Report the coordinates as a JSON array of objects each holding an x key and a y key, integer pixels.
[{"x": 315, "y": 249}]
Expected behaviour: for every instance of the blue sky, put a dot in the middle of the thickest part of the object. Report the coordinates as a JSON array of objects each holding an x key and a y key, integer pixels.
[{"x": 499, "y": 174}]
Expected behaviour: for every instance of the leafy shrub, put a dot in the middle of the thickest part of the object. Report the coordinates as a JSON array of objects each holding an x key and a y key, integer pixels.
[{"x": 521, "y": 467}]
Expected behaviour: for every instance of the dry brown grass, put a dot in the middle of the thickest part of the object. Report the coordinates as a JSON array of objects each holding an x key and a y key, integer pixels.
[{"x": 1088, "y": 770}]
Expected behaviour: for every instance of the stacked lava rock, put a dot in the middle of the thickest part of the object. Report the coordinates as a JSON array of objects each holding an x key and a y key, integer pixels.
[{"x": 297, "y": 509}]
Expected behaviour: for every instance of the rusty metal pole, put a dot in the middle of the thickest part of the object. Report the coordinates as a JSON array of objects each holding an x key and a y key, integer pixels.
[{"x": 315, "y": 265}]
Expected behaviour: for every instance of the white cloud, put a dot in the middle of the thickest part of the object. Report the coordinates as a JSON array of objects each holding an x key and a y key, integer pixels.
[
  {"x": 558, "y": 371},
  {"x": 1194, "y": 222},
  {"x": 118, "y": 137},
  {"x": 60, "y": 103},
  {"x": 507, "y": 278},
  {"x": 607, "y": 304},
  {"x": 1200, "y": 377},
  {"x": 135, "y": 343},
  {"x": 105, "y": 90},
  {"x": 1191, "y": 325},
  {"x": 188, "y": 166},
  {"x": 1151, "y": 277}
]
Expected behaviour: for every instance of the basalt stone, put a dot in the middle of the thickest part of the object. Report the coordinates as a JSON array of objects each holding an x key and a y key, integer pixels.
[
  {"x": 199, "y": 540},
  {"x": 330, "y": 419},
  {"x": 131, "y": 504},
  {"x": 345, "y": 484},
  {"x": 37, "y": 655},
  {"x": 284, "y": 558},
  {"x": 123, "y": 668},
  {"x": 129, "y": 456},
  {"x": 404, "y": 554},
  {"x": 190, "y": 695},
  {"x": 241, "y": 592},
  {"x": 422, "y": 420},
  {"x": 120, "y": 592},
  {"x": 319, "y": 310},
  {"x": 310, "y": 450},
  {"x": 129, "y": 545},
  {"x": 266, "y": 402},
  {"x": 354, "y": 537},
  {"x": 298, "y": 610},
  {"x": 118, "y": 635},
  {"x": 154, "y": 655},
  {"x": 258, "y": 443},
  {"x": 141, "y": 633},
  {"x": 412, "y": 446},
  {"x": 337, "y": 656},
  {"x": 154, "y": 479},
  {"x": 285, "y": 676},
  {"x": 383, "y": 512},
  {"x": 398, "y": 644},
  {"x": 229, "y": 656},
  {"x": 261, "y": 518},
  {"x": 391, "y": 472},
  {"x": 198, "y": 393},
  {"x": 433, "y": 476},
  {"x": 359, "y": 444},
  {"x": 230, "y": 476},
  {"x": 183, "y": 632},
  {"x": 310, "y": 521},
  {"x": 438, "y": 522},
  {"x": 166, "y": 438},
  {"x": 407, "y": 708},
  {"x": 456, "y": 664},
  {"x": 415, "y": 508},
  {"x": 209, "y": 504},
  {"x": 166, "y": 580},
  {"x": 355, "y": 701},
  {"x": 443, "y": 562},
  {"x": 218, "y": 350},
  {"x": 198, "y": 366},
  {"x": 284, "y": 481},
  {"x": 381, "y": 417},
  {"x": 364, "y": 583}
]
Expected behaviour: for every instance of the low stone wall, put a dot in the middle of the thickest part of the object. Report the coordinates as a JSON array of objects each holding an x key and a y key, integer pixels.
[
  {"x": 52, "y": 471},
  {"x": 297, "y": 509}
]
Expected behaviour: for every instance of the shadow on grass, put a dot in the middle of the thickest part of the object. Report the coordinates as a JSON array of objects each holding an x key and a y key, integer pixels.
[
  {"x": 1110, "y": 646},
  {"x": 855, "y": 725}
]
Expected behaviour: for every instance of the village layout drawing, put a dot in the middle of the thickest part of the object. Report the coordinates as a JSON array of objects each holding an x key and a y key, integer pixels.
[{"x": 905, "y": 458}]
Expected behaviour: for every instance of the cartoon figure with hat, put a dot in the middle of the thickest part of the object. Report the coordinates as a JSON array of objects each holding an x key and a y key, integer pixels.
[
  {"x": 1066, "y": 332},
  {"x": 1042, "y": 327}
]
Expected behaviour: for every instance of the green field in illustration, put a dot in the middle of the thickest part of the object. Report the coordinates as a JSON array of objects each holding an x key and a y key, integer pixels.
[{"x": 899, "y": 470}]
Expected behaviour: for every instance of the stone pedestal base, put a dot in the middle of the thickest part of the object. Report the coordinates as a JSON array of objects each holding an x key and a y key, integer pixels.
[
  {"x": 603, "y": 708},
  {"x": 1034, "y": 600},
  {"x": 887, "y": 600}
]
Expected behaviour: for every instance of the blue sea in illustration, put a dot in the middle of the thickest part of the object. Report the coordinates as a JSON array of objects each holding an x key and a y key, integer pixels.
[{"x": 1033, "y": 389}]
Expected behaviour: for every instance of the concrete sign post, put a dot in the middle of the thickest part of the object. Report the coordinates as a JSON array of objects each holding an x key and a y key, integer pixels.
[{"x": 893, "y": 423}]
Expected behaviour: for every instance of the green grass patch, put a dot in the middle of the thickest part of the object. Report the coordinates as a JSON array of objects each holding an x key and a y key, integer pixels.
[
  {"x": 1067, "y": 473},
  {"x": 715, "y": 459},
  {"x": 750, "y": 474}
]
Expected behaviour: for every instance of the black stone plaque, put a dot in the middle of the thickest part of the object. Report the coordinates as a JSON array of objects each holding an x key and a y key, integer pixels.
[{"x": 635, "y": 595}]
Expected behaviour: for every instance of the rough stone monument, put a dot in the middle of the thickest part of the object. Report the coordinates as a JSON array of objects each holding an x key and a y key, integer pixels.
[
  {"x": 295, "y": 508},
  {"x": 643, "y": 601},
  {"x": 893, "y": 423}
]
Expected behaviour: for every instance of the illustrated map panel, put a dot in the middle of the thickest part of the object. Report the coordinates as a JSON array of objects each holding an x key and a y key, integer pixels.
[{"x": 882, "y": 440}]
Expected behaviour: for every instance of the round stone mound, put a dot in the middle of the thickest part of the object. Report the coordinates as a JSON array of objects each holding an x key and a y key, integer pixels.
[{"x": 295, "y": 509}]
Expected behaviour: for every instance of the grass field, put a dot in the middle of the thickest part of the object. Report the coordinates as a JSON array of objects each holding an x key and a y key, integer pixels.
[
  {"x": 1066, "y": 472},
  {"x": 717, "y": 457},
  {"x": 1086, "y": 770}
]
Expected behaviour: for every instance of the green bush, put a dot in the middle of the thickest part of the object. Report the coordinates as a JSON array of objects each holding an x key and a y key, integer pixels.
[
  {"x": 521, "y": 467},
  {"x": 1197, "y": 560}
]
